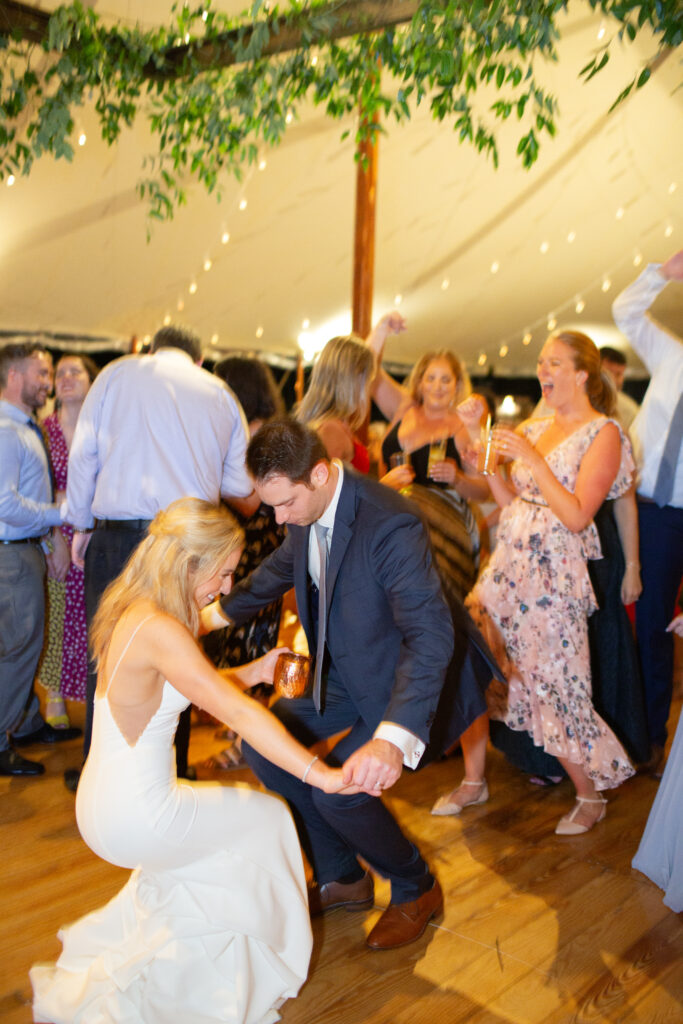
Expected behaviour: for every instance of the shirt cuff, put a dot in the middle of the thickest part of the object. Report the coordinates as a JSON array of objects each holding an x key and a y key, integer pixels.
[
  {"x": 407, "y": 742},
  {"x": 213, "y": 618}
]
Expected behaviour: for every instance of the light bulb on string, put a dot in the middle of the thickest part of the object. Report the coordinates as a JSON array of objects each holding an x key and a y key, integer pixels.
[
  {"x": 181, "y": 305},
  {"x": 552, "y": 322},
  {"x": 544, "y": 246},
  {"x": 445, "y": 284},
  {"x": 526, "y": 340},
  {"x": 305, "y": 324},
  {"x": 672, "y": 188},
  {"x": 580, "y": 304},
  {"x": 571, "y": 236},
  {"x": 207, "y": 264},
  {"x": 82, "y": 139},
  {"x": 668, "y": 231},
  {"x": 225, "y": 237},
  {"x": 167, "y": 319},
  {"x": 481, "y": 361},
  {"x": 398, "y": 299},
  {"x": 620, "y": 213},
  {"x": 503, "y": 351},
  {"x": 495, "y": 267},
  {"x": 601, "y": 31},
  {"x": 262, "y": 164},
  {"x": 259, "y": 332},
  {"x": 193, "y": 288},
  {"x": 606, "y": 284},
  {"x": 289, "y": 117},
  {"x": 637, "y": 259},
  {"x": 314, "y": 60},
  {"x": 10, "y": 180},
  {"x": 243, "y": 204},
  {"x": 214, "y": 339}
]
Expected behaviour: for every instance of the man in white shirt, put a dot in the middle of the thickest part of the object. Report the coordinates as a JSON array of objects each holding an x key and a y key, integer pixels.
[
  {"x": 152, "y": 429},
  {"x": 657, "y": 433}
]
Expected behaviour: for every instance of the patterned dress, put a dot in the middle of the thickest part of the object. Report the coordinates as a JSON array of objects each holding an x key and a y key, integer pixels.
[
  {"x": 64, "y": 666},
  {"x": 532, "y": 603}
]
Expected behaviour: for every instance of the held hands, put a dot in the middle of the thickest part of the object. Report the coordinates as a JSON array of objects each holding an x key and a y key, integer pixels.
[
  {"x": 374, "y": 767},
  {"x": 59, "y": 561}
]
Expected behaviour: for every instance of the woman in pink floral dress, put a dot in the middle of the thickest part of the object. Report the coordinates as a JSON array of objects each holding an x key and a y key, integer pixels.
[
  {"x": 64, "y": 665},
  {"x": 534, "y": 597}
]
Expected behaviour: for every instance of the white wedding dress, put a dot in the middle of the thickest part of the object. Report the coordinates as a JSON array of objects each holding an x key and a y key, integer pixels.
[{"x": 213, "y": 923}]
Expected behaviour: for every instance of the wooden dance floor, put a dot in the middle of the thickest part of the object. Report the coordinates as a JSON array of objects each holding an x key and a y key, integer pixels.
[{"x": 537, "y": 929}]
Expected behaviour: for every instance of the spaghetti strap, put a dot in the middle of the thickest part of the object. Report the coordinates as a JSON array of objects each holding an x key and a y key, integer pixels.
[{"x": 125, "y": 649}]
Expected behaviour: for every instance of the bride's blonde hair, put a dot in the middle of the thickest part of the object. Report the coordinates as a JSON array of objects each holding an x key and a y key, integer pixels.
[{"x": 189, "y": 540}]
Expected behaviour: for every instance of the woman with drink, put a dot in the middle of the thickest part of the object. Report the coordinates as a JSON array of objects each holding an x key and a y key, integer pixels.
[
  {"x": 534, "y": 597},
  {"x": 213, "y": 923}
]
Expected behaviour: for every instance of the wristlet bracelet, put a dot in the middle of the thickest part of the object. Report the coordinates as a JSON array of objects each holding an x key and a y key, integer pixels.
[{"x": 308, "y": 768}]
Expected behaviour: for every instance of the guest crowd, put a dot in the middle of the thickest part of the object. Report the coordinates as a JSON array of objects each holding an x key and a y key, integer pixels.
[{"x": 114, "y": 526}]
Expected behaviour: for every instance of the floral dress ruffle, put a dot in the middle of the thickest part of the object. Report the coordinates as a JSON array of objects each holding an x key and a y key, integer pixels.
[{"x": 532, "y": 604}]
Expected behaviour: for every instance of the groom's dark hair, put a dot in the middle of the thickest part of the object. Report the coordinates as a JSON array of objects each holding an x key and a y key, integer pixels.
[{"x": 285, "y": 447}]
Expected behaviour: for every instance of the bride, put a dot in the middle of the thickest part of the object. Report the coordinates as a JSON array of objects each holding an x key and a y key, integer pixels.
[{"x": 213, "y": 923}]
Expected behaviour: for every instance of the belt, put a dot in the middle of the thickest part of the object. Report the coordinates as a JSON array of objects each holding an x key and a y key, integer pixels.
[
  {"x": 23, "y": 540},
  {"x": 124, "y": 525}
]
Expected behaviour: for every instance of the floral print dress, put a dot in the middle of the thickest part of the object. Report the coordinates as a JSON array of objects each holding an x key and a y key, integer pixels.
[
  {"x": 532, "y": 603},
  {"x": 64, "y": 665}
]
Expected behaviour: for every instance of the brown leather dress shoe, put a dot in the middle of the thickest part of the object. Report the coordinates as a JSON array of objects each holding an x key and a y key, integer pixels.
[
  {"x": 353, "y": 896},
  {"x": 402, "y": 923}
]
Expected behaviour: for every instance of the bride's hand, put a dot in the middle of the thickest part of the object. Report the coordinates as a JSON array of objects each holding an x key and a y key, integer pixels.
[
  {"x": 261, "y": 670},
  {"x": 330, "y": 780}
]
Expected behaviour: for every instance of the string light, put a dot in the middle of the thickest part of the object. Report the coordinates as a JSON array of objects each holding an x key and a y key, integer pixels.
[
  {"x": 167, "y": 319},
  {"x": 571, "y": 236},
  {"x": 552, "y": 322},
  {"x": 262, "y": 164},
  {"x": 205, "y": 15},
  {"x": 10, "y": 181},
  {"x": 398, "y": 299},
  {"x": 314, "y": 60},
  {"x": 207, "y": 264},
  {"x": 243, "y": 204},
  {"x": 668, "y": 231},
  {"x": 225, "y": 237},
  {"x": 289, "y": 117},
  {"x": 606, "y": 284},
  {"x": 193, "y": 288},
  {"x": 214, "y": 339},
  {"x": 620, "y": 213},
  {"x": 82, "y": 138},
  {"x": 305, "y": 324},
  {"x": 495, "y": 267},
  {"x": 544, "y": 247},
  {"x": 526, "y": 340},
  {"x": 181, "y": 305},
  {"x": 580, "y": 304},
  {"x": 637, "y": 259},
  {"x": 444, "y": 284},
  {"x": 503, "y": 351},
  {"x": 259, "y": 332},
  {"x": 601, "y": 31},
  {"x": 482, "y": 359},
  {"x": 672, "y": 188}
]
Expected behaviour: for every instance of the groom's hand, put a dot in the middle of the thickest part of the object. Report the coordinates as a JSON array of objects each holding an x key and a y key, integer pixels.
[{"x": 374, "y": 767}]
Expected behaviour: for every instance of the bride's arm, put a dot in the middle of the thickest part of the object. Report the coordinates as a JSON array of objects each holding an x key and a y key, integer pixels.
[{"x": 173, "y": 652}]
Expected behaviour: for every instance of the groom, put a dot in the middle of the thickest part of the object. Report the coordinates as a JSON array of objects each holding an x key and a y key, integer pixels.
[{"x": 387, "y": 642}]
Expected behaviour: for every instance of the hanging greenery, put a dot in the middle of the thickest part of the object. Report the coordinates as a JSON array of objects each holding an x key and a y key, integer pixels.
[{"x": 213, "y": 89}]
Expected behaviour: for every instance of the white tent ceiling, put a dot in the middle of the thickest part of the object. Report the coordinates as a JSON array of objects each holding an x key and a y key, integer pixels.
[{"x": 74, "y": 255}]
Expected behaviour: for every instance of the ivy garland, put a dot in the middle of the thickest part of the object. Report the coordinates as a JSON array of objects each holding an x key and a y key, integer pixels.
[{"x": 210, "y": 118}]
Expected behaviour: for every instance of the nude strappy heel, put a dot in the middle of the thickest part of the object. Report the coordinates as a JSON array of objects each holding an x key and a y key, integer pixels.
[
  {"x": 568, "y": 827},
  {"x": 446, "y": 805}
]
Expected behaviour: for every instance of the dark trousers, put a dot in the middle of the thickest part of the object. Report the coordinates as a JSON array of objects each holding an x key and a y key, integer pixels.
[
  {"x": 334, "y": 828},
  {"x": 22, "y": 627},
  {"x": 661, "y": 559},
  {"x": 106, "y": 555}
]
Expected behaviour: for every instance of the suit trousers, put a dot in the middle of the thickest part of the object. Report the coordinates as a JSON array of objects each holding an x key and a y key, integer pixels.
[
  {"x": 661, "y": 560},
  {"x": 333, "y": 828},
  {"x": 22, "y": 629}
]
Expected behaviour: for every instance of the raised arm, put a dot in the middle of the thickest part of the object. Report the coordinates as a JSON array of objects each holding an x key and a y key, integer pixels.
[{"x": 390, "y": 397}]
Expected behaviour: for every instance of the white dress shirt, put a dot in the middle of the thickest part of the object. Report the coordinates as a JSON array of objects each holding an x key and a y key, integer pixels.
[
  {"x": 153, "y": 429},
  {"x": 662, "y": 353}
]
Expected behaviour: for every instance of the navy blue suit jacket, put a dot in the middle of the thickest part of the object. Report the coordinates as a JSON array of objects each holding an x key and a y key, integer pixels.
[{"x": 389, "y": 629}]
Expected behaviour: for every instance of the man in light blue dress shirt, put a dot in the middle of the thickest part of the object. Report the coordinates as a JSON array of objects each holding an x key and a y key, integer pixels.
[
  {"x": 27, "y": 513},
  {"x": 152, "y": 429}
]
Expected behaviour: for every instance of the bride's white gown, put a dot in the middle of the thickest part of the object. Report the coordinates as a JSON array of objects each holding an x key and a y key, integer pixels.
[{"x": 213, "y": 923}]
